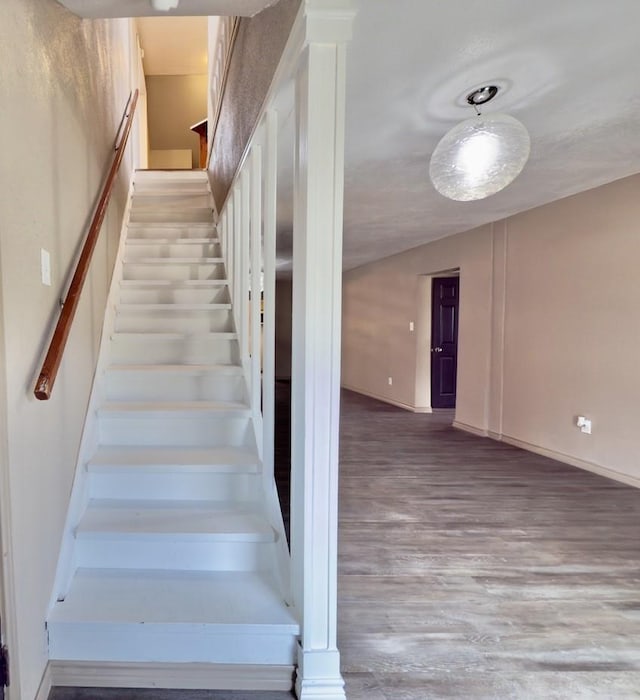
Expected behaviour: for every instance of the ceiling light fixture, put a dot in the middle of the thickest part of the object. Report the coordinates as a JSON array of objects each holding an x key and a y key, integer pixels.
[
  {"x": 164, "y": 5},
  {"x": 481, "y": 155}
]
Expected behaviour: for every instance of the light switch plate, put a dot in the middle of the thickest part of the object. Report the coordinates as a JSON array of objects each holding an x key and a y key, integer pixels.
[{"x": 45, "y": 267}]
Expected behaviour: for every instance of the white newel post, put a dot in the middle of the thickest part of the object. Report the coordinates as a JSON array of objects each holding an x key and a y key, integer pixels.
[{"x": 317, "y": 289}]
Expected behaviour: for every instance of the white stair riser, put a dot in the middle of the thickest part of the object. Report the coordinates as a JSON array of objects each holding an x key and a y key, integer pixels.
[
  {"x": 157, "y": 430},
  {"x": 174, "y": 295},
  {"x": 153, "y": 200},
  {"x": 185, "y": 350},
  {"x": 150, "y": 386},
  {"x": 195, "y": 643},
  {"x": 216, "y": 321},
  {"x": 173, "y": 271},
  {"x": 159, "y": 215},
  {"x": 170, "y": 554},
  {"x": 149, "y": 249},
  {"x": 147, "y": 192},
  {"x": 151, "y": 232},
  {"x": 159, "y": 178},
  {"x": 189, "y": 486}
]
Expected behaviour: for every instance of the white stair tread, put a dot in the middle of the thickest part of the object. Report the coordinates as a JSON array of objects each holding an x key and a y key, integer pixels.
[
  {"x": 244, "y": 601},
  {"x": 147, "y": 174},
  {"x": 170, "y": 224},
  {"x": 197, "y": 188},
  {"x": 193, "y": 189},
  {"x": 155, "y": 336},
  {"x": 173, "y": 284},
  {"x": 172, "y": 261},
  {"x": 178, "y": 369},
  {"x": 129, "y": 407},
  {"x": 141, "y": 308},
  {"x": 109, "y": 457},
  {"x": 198, "y": 520},
  {"x": 196, "y": 184},
  {"x": 172, "y": 241}
]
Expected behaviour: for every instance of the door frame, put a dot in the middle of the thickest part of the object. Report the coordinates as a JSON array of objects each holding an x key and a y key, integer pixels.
[
  {"x": 7, "y": 591},
  {"x": 422, "y": 389}
]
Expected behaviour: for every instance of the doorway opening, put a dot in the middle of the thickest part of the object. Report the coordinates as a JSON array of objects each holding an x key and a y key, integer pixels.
[
  {"x": 437, "y": 341},
  {"x": 176, "y": 63},
  {"x": 444, "y": 340}
]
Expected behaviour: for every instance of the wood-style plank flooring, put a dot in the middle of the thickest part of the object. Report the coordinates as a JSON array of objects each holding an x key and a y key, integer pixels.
[{"x": 470, "y": 569}]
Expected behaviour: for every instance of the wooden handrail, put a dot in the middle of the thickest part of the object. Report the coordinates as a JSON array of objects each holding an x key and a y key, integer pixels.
[{"x": 51, "y": 363}]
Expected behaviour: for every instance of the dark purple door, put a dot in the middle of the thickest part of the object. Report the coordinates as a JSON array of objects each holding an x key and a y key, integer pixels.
[{"x": 444, "y": 341}]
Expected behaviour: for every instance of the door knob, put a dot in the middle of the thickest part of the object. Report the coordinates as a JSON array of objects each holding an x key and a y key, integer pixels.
[{"x": 436, "y": 349}]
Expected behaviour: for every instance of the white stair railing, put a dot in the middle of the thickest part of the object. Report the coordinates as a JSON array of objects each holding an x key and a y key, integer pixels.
[{"x": 313, "y": 62}]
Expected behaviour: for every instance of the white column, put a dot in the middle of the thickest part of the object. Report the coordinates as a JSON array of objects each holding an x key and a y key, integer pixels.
[{"x": 317, "y": 281}]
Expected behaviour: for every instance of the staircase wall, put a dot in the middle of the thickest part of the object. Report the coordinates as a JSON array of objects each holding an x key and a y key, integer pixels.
[
  {"x": 62, "y": 100},
  {"x": 257, "y": 51}
]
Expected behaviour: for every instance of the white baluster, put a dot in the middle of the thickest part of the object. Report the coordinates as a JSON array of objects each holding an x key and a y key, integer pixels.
[
  {"x": 269, "y": 312},
  {"x": 243, "y": 297},
  {"x": 255, "y": 166}
]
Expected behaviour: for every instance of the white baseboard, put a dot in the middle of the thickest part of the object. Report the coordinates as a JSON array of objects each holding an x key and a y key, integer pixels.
[
  {"x": 573, "y": 461},
  {"x": 92, "y": 674},
  {"x": 320, "y": 691},
  {"x": 45, "y": 684},
  {"x": 552, "y": 454},
  {"x": 480, "y": 432},
  {"x": 385, "y": 399}
]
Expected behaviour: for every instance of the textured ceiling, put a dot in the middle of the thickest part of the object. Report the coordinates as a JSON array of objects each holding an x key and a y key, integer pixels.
[
  {"x": 142, "y": 8},
  {"x": 568, "y": 70},
  {"x": 174, "y": 45}
]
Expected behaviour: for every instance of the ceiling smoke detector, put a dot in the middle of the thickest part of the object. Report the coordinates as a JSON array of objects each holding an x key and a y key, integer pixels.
[{"x": 164, "y": 5}]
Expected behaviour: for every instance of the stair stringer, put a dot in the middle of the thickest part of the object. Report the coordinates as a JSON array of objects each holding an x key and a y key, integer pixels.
[{"x": 79, "y": 496}]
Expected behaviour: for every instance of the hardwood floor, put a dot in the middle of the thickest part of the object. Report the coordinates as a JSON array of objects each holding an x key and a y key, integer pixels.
[{"x": 471, "y": 569}]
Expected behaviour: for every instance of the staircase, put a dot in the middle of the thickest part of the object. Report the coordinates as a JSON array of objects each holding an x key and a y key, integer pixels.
[{"x": 171, "y": 554}]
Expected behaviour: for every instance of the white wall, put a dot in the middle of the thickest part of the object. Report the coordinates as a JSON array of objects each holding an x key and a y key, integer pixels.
[
  {"x": 548, "y": 327},
  {"x": 63, "y": 88}
]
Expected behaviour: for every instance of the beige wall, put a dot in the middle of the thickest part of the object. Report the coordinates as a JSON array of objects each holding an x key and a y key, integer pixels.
[
  {"x": 548, "y": 327},
  {"x": 174, "y": 104},
  {"x": 62, "y": 92},
  {"x": 381, "y": 299}
]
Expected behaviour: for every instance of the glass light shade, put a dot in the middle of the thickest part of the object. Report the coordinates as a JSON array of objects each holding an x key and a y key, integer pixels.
[{"x": 479, "y": 157}]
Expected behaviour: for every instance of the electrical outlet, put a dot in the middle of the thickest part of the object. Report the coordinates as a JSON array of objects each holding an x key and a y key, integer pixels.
[
  {"x": 584, "y": 424},
  {"x": 411, "y": 326},
  {"x": 390, "y": 380}
]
